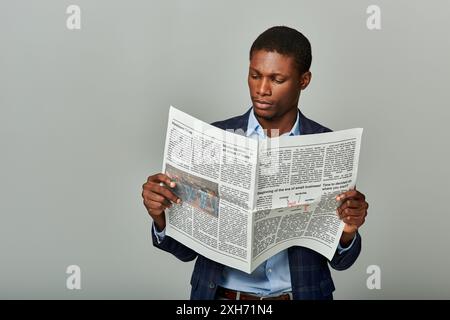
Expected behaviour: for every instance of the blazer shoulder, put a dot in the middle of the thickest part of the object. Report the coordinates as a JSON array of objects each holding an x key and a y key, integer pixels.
[
  {"x": 308, "y": 126},
  {"x": 238, "y": 122}
]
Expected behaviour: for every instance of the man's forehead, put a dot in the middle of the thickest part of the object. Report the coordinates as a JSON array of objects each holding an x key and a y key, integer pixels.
[{"x": 272, "y": 62}]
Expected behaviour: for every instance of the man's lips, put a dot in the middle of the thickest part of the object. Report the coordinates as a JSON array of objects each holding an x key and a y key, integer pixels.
[{"x": 262, "y": 104}]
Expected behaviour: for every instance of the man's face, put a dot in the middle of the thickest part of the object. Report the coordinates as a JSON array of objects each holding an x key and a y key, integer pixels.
[{"x": 275, "y": 84}]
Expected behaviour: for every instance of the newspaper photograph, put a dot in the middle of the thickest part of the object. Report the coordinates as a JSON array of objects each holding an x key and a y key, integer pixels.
[{"x": 244, "y": 200}]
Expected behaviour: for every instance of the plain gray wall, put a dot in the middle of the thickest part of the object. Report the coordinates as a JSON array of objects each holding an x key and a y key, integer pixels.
[{"x": 83, "y": 115}]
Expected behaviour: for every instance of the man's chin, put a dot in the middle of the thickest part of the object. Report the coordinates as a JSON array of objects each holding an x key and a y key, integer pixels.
[{"x": 266, "y": 114}]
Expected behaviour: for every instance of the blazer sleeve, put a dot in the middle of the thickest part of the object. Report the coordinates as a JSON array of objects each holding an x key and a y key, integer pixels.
[
  {"x": 346, "y": 259},
  {"x": 174, "y": 247}
]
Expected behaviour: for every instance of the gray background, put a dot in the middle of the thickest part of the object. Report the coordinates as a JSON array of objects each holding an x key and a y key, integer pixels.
[{"x": 83, "y": 116}]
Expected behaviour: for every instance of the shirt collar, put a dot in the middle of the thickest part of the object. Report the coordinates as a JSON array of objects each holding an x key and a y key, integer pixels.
[{"x": 254, "y": 128}]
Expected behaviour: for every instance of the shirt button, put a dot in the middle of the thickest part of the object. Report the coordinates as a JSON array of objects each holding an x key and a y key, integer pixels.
[{"x": 212, "y": 285}]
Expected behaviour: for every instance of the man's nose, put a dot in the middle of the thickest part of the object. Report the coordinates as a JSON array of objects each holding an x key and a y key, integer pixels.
[{"x": 264, "y": 88}]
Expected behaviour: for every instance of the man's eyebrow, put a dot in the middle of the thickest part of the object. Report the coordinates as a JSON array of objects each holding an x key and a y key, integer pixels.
[
  {"x": 272, "y": 74},
  {"x": 253, "y": 69}
]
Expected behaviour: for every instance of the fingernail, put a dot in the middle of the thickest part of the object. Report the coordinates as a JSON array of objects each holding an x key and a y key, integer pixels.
[
  {"x": 178, "y": 200},
  {"x": 172, "y": 184}
]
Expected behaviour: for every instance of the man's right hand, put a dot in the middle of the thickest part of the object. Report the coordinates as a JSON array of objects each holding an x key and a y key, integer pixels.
[{"x": 158, "y": 197}]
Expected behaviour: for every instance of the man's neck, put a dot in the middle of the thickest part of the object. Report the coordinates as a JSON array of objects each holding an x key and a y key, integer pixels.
[{"x": 283, "y": 123}]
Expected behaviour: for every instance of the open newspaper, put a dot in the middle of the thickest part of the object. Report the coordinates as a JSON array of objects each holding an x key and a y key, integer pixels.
[{"x": 244, "y": 200}]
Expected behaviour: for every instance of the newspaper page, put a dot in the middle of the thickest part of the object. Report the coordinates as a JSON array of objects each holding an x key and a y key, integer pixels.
[
  {"x": 298, "y": 179},
  {"x": 215, "y": 175},
  {"x": 244, "y": 200}
]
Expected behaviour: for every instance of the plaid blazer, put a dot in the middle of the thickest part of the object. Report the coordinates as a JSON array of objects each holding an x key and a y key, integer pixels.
[{"x": 310, "y": 274}]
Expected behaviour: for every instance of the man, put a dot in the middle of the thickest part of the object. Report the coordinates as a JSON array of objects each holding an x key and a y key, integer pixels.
[{"x": 280, "y": 59}]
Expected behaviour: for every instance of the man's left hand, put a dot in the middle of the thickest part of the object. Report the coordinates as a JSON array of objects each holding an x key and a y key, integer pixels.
[{"x": 353, "y": 212}]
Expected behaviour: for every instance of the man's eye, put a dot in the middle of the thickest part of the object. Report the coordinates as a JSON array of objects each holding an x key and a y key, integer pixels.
[
  {"x": 279, "y": 81},
  {"x": 254, "y": 76}
]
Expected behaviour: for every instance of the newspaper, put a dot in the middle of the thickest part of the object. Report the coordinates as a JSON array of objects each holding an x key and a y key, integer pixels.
[{"x": 244, "y": 200}]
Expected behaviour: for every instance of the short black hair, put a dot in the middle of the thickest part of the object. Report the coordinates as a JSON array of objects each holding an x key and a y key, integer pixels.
[{"x": 285, "y": 41}]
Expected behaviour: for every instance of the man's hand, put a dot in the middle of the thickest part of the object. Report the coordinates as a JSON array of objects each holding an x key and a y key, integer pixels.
[
  {"x": 353, "y": 212},
  {"x": 157, "y": 197}
]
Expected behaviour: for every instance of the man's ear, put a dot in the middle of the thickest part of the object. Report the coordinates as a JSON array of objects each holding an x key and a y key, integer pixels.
[{"x": 305, "y": 79}]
